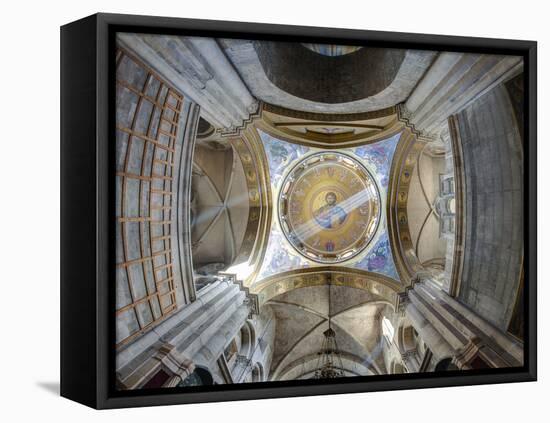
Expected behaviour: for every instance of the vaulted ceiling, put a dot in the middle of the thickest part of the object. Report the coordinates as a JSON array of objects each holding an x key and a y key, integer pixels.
[
  {"x": 298, "y": 122},
  {"x": 302, "y": 317},
  {"x": 220, "y": 210}
]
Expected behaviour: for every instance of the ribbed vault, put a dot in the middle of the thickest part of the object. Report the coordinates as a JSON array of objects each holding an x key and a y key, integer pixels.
[{"x": 302, "y": 317}]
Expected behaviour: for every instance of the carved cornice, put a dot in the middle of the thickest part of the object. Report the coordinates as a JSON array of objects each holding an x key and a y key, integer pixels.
[
  {"x": 255, "y": 110},
  {"x": 251, "y": 300},
  {"x": 405, "y": 116}
]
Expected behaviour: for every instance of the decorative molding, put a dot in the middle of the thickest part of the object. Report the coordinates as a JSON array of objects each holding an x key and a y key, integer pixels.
[
  {"x": 404, "y": 115},
  {"x": 328, "y": 117},
  {"x": 404, "y": 161},
  {"x": 250, "y": 300},
  {"x": 168, "y": 359},
  {"x": 255, "y": 110},
  {"x": 402, "y": 300},
  {"x": 182, "y": 218},
  {"x": 381, "y": 287},
  {"x": 338, "y": 130}
]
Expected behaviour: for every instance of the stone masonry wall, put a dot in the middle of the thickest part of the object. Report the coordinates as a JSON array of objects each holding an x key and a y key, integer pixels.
[{"x": 493, "y": 161}]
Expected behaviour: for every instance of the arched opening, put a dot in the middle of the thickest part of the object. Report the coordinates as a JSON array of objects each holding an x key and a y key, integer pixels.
[
  {"x": 247, "y": 339},
  {"x": 257, "y": 373},
  {"x": 199, "y": 377},
  {"x": 302, "y": 72},
  {"x": 398, "y": 368},
  {"x": 407, "y": 338},
  {"x": 445, "y": 364}
]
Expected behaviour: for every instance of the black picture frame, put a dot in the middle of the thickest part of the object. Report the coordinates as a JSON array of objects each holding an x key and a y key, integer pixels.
[{"x": 87, "y": 246}]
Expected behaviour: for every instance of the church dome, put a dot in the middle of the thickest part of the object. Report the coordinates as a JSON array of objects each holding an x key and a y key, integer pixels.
[{"x": 329, "y": 207}]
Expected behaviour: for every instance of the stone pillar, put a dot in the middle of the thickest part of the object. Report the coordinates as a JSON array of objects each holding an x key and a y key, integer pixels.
[
  {"x": 213, "y": 347},
  {"x": 195, "y": 335},
  {"x": 427, "y": 332},
  {"x": 453, "y": 81},
  {"x": 199, "y": 68},
  {"x": 179, "y": 365},
  {"x": 438, "y": 317}
]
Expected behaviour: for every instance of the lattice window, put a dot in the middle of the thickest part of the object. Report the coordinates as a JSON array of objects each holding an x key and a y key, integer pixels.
[{"x": 147, "y": 116}]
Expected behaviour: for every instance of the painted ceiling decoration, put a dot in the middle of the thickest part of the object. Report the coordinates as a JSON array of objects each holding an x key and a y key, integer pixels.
[
  {"x": 329, "y": 207},
  {"x": 318, "y": 188}
]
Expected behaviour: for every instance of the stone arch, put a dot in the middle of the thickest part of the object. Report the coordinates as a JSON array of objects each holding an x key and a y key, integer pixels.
[
  {"x": 406, "y": 337},
  {"x": 257, "y": 373},
  {"x": 382, "y": 287},
  {"x": 247, "y": 339}
]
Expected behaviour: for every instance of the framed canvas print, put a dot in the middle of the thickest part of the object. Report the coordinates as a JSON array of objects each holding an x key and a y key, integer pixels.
[{"x": 255, "y": 211}]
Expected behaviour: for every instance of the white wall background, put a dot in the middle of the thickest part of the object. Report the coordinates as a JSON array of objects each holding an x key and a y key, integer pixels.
[{"x": 29, "y": 175}]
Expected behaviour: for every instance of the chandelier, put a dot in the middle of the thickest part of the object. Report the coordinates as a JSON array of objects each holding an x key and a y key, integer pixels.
[{"x": 329, "y": 364}]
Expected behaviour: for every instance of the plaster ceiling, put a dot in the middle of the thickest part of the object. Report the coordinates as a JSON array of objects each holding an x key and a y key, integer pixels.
[{"x": 424, "y": 219}]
